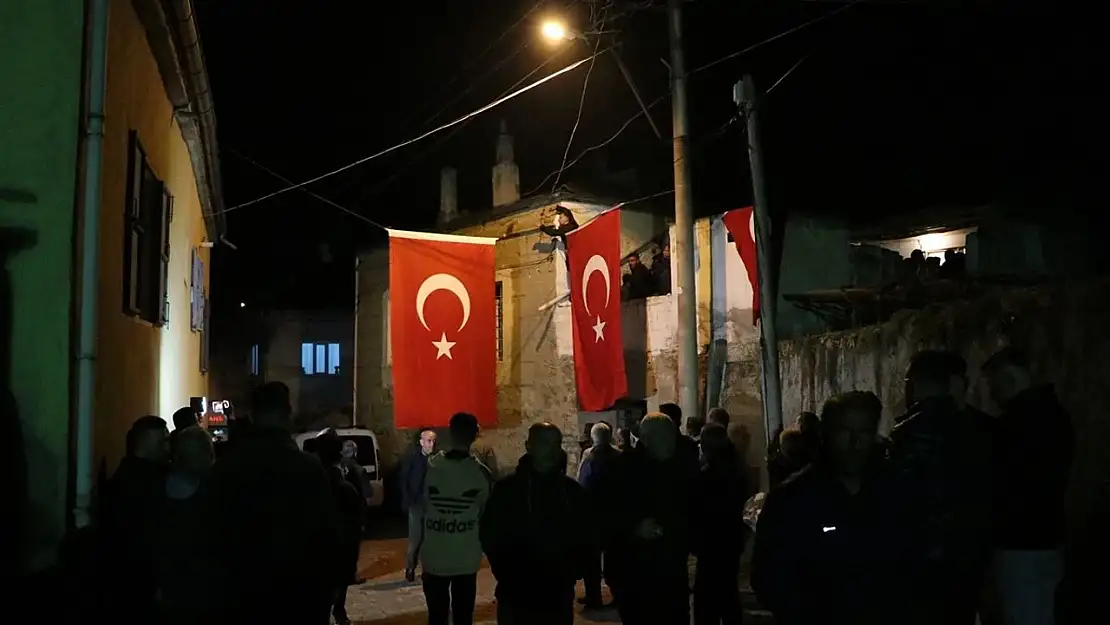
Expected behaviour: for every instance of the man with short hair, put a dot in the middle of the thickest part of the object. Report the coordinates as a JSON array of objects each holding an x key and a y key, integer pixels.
[
  {"x": 719, "y": 416},
  {"x": 183, "y": 418},
  {"x": 457, "y": 486},
  {"x": 940, "y": 494},
  {"x": 650, "y": 528},
  {"x": 131, "y": 507},
  {"x": 694, "y": 427},
  {"x": 279, "y": 521},
  {"x": 537, "y": 535},
  {"x": 414, "y": 469},
  {"x": 1034, "y": 446},
  {"x": 595, "y": 474},
  {"x": 819, "y": 555},
  {"x": 687, "y": 446}
]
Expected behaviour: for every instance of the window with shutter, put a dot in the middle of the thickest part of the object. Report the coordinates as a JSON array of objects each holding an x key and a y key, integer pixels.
[
  {"x": 164, "y": 282},
  {"x": 146, "y": 239}
]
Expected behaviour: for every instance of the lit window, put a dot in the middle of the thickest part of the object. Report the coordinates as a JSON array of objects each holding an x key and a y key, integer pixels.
[
  {"x": 500, "y": 321},
  {"x": 320, "y": 358},
  {"x": 306, "y": 358},
  {"x": 387, "y": 350},
  {"x": 333, "y": 358},
  {"x": 254, "y": 359}
]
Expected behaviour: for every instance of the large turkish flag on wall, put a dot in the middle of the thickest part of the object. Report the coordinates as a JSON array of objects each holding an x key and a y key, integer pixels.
[
  {"x": 594, "y": 257},
  {"x": 740, "y": 223},
  {"x": 442, "y": 328}
]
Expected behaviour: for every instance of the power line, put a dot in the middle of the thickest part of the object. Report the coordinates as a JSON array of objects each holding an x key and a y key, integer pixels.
[
  {"x": 470, "y": 65},
  {"x": 427, "y": 134},
  {"x": 578, "y": 117},
  {"x": 604, "y": 143},
  {"x": 435, "y": 147},
  {"x": 504, "y": 99},
  {"x": 323, "y": 199},
  {"x": 760, "y": 44},
  {"x": 787, "y": 73}
]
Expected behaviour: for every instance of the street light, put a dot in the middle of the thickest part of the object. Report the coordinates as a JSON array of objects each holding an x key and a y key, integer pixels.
[{"x": 554, "y": 31}]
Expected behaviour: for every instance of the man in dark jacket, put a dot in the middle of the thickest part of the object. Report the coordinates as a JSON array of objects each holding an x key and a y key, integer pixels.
[
  {"x": 940, "y": 475},
  {"x": 349, "y": 506},
  {"x": 536, "y": 534},
  {"x": 719, "y": 541},
  {"x": 1033, "y": 449},
  {"x": 595, "y": 473},
  {"x": 277, "y": 517},
  {"x": 819, "y": 548},
  {"x": 414, "y": 468},
  {"x": 131, "y": 513},
  {"x": 687, "y": 448},
  {"x": 650, "y": 528}
]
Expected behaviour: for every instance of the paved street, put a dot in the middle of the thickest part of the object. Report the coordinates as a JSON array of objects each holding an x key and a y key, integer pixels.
[{"x": 385, "y": 598}]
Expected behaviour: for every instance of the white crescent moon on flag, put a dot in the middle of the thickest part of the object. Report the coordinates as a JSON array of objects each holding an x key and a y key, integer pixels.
[
  {"x": 442, "y": 282},
  {"x": 751, "y": 225},
  {"x": 595, "y": 264}
]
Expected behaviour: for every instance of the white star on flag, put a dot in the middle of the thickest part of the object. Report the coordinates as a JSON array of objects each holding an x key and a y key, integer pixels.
[
  {"x": 443, "y": 347},
  {"x": 599, "y": 330}
]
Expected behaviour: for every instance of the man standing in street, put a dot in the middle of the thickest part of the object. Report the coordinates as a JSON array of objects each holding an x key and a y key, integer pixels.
[
  {"x": 1034, "y": 445},
  {"x": 413, "y": 471},
  {"x": 595, "y": 474},
  {"x": 538, "y": 535},
  {"x": 940, "y": 494},
  {"x": 458, "y": 486},
  {"x": 650, "y": 528}
]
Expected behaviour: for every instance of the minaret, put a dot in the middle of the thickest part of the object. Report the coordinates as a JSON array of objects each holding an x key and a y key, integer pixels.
[
  {"x": 506, "y": 176},
  {"x": 448, "y": 195}
]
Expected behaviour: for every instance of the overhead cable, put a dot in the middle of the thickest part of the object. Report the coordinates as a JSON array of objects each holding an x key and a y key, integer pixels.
[{"x": 425, "y": 135}]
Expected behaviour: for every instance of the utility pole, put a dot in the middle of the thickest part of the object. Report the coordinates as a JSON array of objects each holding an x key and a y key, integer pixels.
[
  {"x": 745, "y": 96},
  {"x": 682, "y": 246}
]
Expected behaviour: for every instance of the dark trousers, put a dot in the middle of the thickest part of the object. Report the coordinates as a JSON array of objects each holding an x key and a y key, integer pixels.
[
  {"x": 942, "y": 593},
  {"x": 339, "y": 604},
  {"x": 452, "y": 595},
  {"x": 717, "y": 592},
  {"x": 592, "y": 580},
  {"x": 530, "y": 612},
  {"x": 656, "y": 597}
]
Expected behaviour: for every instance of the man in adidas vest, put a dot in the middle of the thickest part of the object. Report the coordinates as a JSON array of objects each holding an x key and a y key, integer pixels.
[{"x": 457, "y": 487}]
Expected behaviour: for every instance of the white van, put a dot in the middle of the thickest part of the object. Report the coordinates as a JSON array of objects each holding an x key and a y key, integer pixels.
[{"x": 368, "y": 456}]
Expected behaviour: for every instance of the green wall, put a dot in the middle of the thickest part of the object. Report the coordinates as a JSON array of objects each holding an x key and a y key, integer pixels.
[{"x": 40, "y": 95}]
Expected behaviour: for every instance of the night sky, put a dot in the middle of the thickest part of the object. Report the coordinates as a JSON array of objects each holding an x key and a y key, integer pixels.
[{"x": 894, "y": 106}]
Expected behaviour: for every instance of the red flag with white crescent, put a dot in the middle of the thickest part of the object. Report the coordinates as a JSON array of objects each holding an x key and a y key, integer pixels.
[
  {"x": 594, "y": 257},
  {"x": 740, "y": 223},
  {"x": 442, "y": 328}
]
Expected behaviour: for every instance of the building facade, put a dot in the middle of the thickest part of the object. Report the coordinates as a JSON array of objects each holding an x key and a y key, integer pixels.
[
  {"x": 535, "y": 378},
  {"x": 109, "y": 148}
]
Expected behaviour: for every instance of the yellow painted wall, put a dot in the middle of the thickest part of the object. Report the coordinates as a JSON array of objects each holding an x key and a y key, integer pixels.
[{"x": 142, "y": 369}]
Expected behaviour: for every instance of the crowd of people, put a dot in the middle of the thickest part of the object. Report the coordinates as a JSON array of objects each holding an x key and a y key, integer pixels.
[
  {"x": 264, "y": 533},
  {"x": 627, "y": 521},
  {"x": 957, "y": 516},
  {"x": 856, "y": 528}
]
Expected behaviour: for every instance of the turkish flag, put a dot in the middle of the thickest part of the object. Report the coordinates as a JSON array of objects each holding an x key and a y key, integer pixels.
[
  {"x": 442, "y": 328},
  {"x": 594, "y": 257},
  {"x": 740, "y": 223}
]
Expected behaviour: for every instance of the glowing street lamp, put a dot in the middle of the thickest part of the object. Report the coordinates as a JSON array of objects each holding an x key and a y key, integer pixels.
[{"x": 554, "y": 31}]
